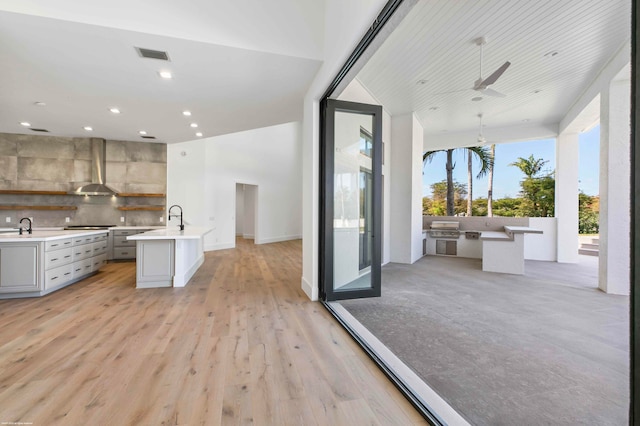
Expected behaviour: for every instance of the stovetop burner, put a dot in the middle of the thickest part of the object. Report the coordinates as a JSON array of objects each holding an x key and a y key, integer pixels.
[{"x": 88, "y": 227}]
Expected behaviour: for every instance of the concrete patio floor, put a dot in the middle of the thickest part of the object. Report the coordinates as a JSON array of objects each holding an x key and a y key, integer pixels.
[{"x": 543, "y": 348}]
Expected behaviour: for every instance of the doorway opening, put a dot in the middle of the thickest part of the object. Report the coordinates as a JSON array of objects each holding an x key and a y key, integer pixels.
[{"x": 246, "y": 211}]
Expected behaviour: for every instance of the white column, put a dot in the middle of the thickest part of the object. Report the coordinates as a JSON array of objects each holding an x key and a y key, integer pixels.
[
  {"x": 405, "y": 195},
  {"x": 566, "y": 202},
  {"x": 615, "y": 188}
]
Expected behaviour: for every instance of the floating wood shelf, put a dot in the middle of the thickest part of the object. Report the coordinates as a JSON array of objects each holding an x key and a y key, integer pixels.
[
  {"x": 139, "y": 194},
  {"x": 38, "y": 208},
  {"x": 141, "y": 208},
  {"x": 21, "y": 192}
]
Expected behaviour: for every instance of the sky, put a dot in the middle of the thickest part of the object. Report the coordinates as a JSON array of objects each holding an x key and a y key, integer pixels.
[{"x": 506, "y": 179}]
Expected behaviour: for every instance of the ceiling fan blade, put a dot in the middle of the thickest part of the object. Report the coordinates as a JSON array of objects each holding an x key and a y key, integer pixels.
[
  {"x": 495, "y": 76},
  {"x": 491, "y": 92}
]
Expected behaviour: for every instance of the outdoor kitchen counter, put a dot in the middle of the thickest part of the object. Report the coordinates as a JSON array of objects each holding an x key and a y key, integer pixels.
[
  {"x": 168, "y": 257},
  {"x": 503, "y": 252}
]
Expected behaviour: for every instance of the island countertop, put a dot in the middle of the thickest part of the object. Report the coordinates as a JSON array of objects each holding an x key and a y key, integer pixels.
[
  {"x": 190, "y": 233},
  {"x": 38, "y": 235}
]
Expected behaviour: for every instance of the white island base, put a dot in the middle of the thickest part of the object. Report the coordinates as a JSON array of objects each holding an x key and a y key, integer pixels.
[{"x": 168, "y": 257}]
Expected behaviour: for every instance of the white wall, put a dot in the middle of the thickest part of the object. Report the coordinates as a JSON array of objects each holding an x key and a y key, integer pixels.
[
  {"x": 203, "y": 181},
  {"x": 542, "y": 246}
]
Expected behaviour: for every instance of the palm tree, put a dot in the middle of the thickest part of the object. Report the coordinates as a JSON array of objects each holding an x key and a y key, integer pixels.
[
  {"x": 490, "y": 183},
  {"x": 480, "y": 152},
  {"x": 529, "y": 166}
]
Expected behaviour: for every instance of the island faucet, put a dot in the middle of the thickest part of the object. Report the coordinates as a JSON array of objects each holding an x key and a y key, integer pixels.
[
  {"x": 181, "y": 226},
  {"x": 29, "y": 230}
]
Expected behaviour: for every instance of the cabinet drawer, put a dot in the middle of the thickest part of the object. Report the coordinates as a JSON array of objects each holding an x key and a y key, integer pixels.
[
  {"x": 98, "y": 262},
  {"x": 82, "y": 239},
  {"x": 99, "y": 248},
  {"x": 58, "y": 276},
  {"x": 124, "y": 253},
  {"x": 82, "y": 267},
  {"x": 120, "y": 233},
  {"x": 53, "y": 259},
  {"x": 121, "y": 241},
  {"x": 57, "y": 244},
  {"x": 101, "y": 237},
  {"x": 82, "y": 252}
]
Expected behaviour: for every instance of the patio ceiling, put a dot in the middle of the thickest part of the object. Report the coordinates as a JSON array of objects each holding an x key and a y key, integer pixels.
[{"x": 429, "y": 64}]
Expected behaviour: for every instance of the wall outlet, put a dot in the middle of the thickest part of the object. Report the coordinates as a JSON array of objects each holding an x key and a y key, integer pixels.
[
  {"x": 8, "y": 219},
  {"x": 161, "y": 219},
  {"x": 67, "y": 219},
  {"x": 121, "y": 218}
]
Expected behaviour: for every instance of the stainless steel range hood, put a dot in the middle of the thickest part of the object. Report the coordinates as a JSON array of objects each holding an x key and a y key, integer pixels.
[{"x": 98, "y": 171}]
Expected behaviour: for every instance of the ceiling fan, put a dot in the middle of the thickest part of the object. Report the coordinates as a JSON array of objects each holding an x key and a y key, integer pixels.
[{"x": 482, "y": 84}]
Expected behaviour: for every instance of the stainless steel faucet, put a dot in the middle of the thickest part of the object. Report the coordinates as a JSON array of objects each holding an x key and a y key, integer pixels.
[
  {"x": 181, "y": 226},
  {"x": 29, "y": 229}
]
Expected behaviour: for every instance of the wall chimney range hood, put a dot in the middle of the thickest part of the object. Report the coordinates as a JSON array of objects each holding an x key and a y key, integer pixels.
[{"x": 98, "y": 171}]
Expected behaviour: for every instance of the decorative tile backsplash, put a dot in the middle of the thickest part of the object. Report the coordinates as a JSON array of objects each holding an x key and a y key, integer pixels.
[{"x": 34, "y": 162}]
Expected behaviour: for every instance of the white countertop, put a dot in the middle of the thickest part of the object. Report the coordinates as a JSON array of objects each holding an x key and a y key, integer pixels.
[
  {"x": 189, "y": 233},
  {"x": 133, "y": 228},
  {"x": 522, "y": 230},
  {"x": 39, "y": 235}
]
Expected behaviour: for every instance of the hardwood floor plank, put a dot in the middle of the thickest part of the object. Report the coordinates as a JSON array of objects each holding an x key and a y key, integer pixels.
[{"x": 240, "y": 344}]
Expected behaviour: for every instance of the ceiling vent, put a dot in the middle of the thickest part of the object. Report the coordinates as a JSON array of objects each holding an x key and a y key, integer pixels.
[
  {"x": 148, "y": 137},
  {"x": 39, "y": 130},
  {"x": 153, "y": 54}
]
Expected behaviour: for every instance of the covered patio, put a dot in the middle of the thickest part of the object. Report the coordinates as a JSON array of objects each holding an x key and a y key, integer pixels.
[{"x": 547, "y": 347}]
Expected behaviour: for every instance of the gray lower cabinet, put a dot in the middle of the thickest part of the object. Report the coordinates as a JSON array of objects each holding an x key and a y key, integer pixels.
[
  {"x": 122, "y": 248},
  {"x": 19, "y": 267},
  {"x": 42, "y": 267},
  {"x": 155, "y": 263}
]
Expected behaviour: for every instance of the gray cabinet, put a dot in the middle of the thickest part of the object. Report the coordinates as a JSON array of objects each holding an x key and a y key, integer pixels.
[
  {"x": 122, "y": 248},
  {"x": 19, "y": 267},
  {"x": 155, "y": 263}
]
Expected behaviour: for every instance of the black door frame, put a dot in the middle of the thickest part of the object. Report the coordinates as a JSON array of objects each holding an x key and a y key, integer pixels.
[{"x": 327, "y": 149}]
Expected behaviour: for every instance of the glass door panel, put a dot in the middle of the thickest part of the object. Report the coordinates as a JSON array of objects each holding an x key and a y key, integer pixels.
[{"x": 352, "y": 188}]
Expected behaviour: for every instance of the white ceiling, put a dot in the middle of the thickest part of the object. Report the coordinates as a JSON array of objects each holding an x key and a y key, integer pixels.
[
  {"x": 236, "y": 65},
  {"x": 435, "y": 42}
]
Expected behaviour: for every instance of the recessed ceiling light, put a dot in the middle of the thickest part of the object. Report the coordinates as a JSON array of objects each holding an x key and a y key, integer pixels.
[
  {"x": 551, "y": 54},
  {"x": 88, "y": 128},
  {"x": 165, "y": 74},
  {"x": 434, "y": 108},
  {"x": 142, "y": 132},
  {"x": 186, "y": 113},
  {"x": 40, "y": 104},
  {"x": 537, "y": 91},
  {"x": 194, "y": 125},
  {"x": 477, "y": 98},
  {"x": 114, "y": 110},
  {"x": 199, "y": 134},
  {"x": 525, "y": 120},
  {"x": 421, "y": 82},
  {"x": 25, "y": 124}
]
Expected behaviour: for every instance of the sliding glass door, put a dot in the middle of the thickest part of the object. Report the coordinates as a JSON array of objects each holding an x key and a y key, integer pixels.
[{"x": 352, "y": 200}]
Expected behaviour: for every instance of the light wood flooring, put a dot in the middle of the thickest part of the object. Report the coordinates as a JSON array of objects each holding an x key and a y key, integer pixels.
[{"x": 240, "y": 344}]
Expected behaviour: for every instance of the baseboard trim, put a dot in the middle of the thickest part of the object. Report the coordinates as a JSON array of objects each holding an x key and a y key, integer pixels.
[
  {"x": 221, "y": 246},
  {"x": 279, "y": 239},
  {"x": 309, "y": 290}
]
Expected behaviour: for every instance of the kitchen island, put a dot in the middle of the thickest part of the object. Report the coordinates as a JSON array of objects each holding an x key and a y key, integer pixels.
[
  {"x": 168, "y": 257},
  {"x": 36, "y": 264}
]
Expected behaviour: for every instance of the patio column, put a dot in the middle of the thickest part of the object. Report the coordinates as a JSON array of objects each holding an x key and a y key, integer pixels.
[
  {"x": 566, "y": 197},
  {"x": 405, "y": 195},
  {"x": 615, "y": 188}
]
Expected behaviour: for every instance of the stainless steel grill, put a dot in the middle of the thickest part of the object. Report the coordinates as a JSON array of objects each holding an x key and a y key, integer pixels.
[{"x": 444, "y": 229}]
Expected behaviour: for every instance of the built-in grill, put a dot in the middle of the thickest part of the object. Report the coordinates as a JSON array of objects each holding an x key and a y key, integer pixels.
[{"x": 444, "y": 229}]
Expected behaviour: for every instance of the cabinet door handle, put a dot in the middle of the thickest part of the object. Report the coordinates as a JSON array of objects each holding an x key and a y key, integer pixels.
[
  {"x": 54, "y": 278},
  {"x": 67, "y": 273},
  {"x": 54, "y": 245},
  {"x": 53, "y": 260},
  {"x": 67, "y": 256}
]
